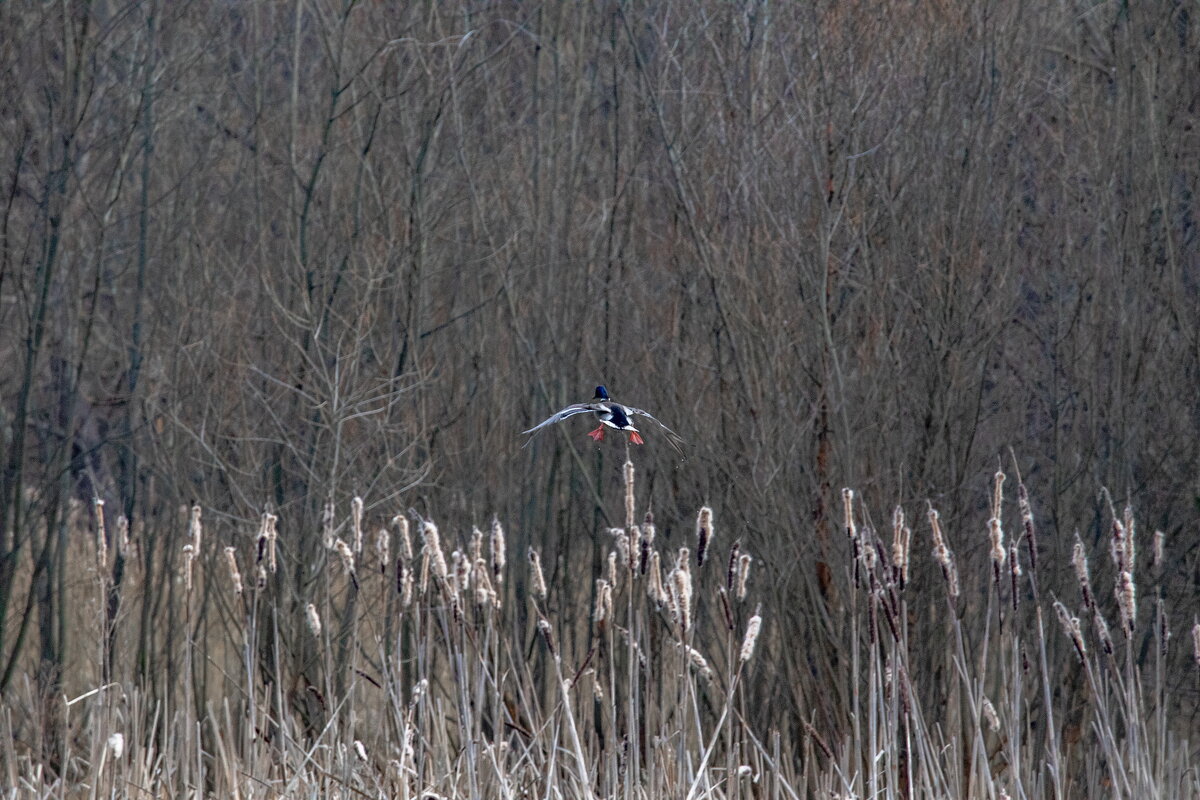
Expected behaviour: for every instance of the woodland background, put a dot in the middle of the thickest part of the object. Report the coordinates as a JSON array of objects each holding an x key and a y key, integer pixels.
[{"x": 274, "y": 254}]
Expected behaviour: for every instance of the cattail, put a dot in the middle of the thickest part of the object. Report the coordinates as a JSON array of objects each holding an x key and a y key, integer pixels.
[
  {"x": 1160, "y": 540},
  {"x": 431, "y": 544},
  {"x": 700, "y": 663},
  {"x": 704, "y": 532},
  {"x": 848, "y": 514},
  {"x": 406, "y": 586},
  {"x": 123, "y": 534},
  {"x": 1196, "y": 642},
  {"x": 997, "y": 494},
  {"x": 629, "y": 505},
  {"x": 989, "y": 712},
  {"x": 621, "y": 539},
  {"x": 537, "y": 578},
  {"x": 901, "y": 536},
  {"x": 327, "y": 517},
  {"x": 189, "y": 554},
  {"x": 383, "y": 549},
  {"x": 116, "y": 743},
  {"x": 476, "y": 544},
  {"x": 314, "y": 620},
  {"x": 547, "y": 634},
  {"x": 460, "y": 570},
  {"x": 603, "y": 608},
  {"x": 402, "y": 539},
  {"x": 484, "y": 593},
  {"x": 1164, "y": 629},
  {"x": 360, "y": 750},
  {"x": 743, "y": 574},
  {"x": 952, "y": 577},
  {"x": 1102, "y": 633},
  {"x": 745, "y": 771},
  {"x": 196, "y": 528},
  {"x": 752, "y": 628},
  {"x": 681, "y": 590},
  {"x": 1126, "y": 601},
  {"x": 941, "y": 553},
  {"x": 654, "y": 586},
  {"x": 498, "y": 550},
  {"x": 1079, "y": 561},
  {"x": 1071, "y": 628},
  {"x": 1117, "y": 545},
  {"x": 347, "y": 556},
  {"x": 234, "y": 574},
  {"x": 634, "y": 546},
  {"x": 270, "y": 533},
  {"x": 424, "y": 582},
  {"x": 1027, "y": 523},
  {"x": 356, "y": 515},
  {"x": 612, "y": 568},
  {"x": 101, "y": 536},
  {"x": 261, "y": 582},
  {"x": 996, "y": 535},
  {"x": 647, "y": 540},
  {"x": 1014, "y": 571},
  {"x": 1130, "y": 538}
]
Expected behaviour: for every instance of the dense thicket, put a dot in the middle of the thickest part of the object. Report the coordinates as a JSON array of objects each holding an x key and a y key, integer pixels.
[{"x": 271, "y": 255}]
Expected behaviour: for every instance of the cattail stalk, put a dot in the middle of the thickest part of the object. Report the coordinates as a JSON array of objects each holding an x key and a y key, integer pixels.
[{"x": 356, "y": 517}]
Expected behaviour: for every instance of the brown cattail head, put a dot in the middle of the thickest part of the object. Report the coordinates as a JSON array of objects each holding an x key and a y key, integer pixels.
[
  {"x": 1079, "y": 562},
  {"x": 537, "y": 578},
  {"x": 1160, "y": 541},
  {"x": 261, "y": 582},
  {"x": 404, "y": 577},
  {"x": 704, "y": 532},
  {"x": 356, "y": 517},
  {"x": 647, "y": 540},
  {"x": 700, "y": 664},
  {"x": 403, "y": 542},
  {"x": 327, "y": 526},
  {"x": 848, "y": 513},
  {"x": 1130, "y": 538},
  {"x": 314, "y": 620},
  {"x": 621, "y": 540},
  {"x": 1126, "y": 595},
  {"x": 476, "y": 544},
  {"x": 101, "y": 536},
  {"x": 612, "y": 568},
  {"x": 499, "y": 550},
  {"x": 1116, "y": 546},
  {"x": 751, "y": 639},
  {"x": 731, "y": 572},
  {"x": 272, "y": 534},
  {"x": 460, "y": 570},
  {"x": 234, "y": 574},
  {"x": 1027, "y": 524},
  {"x": 548, "y": 634},
  {"x": 629, "y": 509}
]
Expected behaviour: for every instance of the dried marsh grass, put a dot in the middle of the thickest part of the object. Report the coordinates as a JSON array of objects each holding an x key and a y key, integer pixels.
[{"x": 466, "y": 674}]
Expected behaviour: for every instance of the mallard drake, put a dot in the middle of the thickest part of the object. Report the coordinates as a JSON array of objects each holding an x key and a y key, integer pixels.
[{"x": 610, "y": 414}]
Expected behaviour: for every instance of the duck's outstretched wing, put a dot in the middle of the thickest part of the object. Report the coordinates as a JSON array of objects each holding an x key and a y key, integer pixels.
[
  {"x": 674, "y": 438},
  {"x": 569, "y": 411}
]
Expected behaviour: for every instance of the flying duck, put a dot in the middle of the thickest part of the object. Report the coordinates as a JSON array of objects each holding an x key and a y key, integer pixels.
[{"x": 611, "y": 414}]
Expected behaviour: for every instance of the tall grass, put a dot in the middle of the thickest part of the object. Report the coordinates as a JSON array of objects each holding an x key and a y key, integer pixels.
[{"x": 438, "y": 665}]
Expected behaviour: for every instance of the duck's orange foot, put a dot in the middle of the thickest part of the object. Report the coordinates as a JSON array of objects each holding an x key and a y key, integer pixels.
[
  {"x": 598, "y": 434},
  {"x": 636, "y": 438}
]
